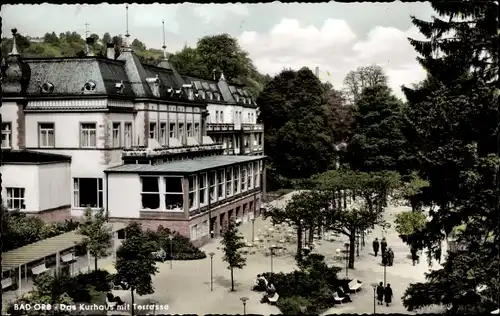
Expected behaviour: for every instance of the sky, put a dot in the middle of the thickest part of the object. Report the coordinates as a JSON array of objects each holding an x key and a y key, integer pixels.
[{"x": 336, "y": 37}]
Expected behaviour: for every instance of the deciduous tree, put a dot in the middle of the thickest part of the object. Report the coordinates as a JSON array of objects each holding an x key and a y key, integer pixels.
[
  {"x": 233, "y": 242},
  {"x": 363, "y": 77},
  {"x": 135, "y": 264},
  {"x": 97, "y": 236}
]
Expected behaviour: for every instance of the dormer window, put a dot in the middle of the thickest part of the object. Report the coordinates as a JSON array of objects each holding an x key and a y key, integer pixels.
[
  {"x": 217, "y": 95},
  {"x": 237, "y": 98},
  {"x": 89, "y": 87},
  {"x": 190, "y": 94},
  {"x": 202, "y": 94},
  {"x": 210, "y": 95},
  {"x": 47, "y": 87},
  {"x": 119, "y": 86}
]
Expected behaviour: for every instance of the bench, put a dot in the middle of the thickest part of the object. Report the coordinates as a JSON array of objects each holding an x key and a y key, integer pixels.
[
  {"x": 39, "y": 269},
  {"x": 69, "y": 257},
  {"x": 273, "y": 299},
  {"x": 110, "y": 302},
  {"x": 337, "y": 298},
  {"x": 6, "y": 283},
  {"x": 355, "y": 285}
]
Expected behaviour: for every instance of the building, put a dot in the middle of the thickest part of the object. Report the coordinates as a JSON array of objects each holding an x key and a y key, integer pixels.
[{"x": 130, "y": 138}]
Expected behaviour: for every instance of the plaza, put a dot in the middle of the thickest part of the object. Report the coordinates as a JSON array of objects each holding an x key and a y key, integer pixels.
[{"x": 186, "y": 287}]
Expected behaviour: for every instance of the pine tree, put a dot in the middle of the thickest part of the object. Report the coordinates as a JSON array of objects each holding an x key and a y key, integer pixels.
[{"x": 452, "y": 127}]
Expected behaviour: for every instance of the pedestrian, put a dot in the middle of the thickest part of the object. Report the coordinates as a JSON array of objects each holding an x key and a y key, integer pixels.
[
  {"x": 438, "y": 255},
  {"x": 384, "y": 258},
  {"x": 388, "y": 294},
  {"x": 380, "y": 294},
  {"x": 414, "y": 255},
  {"x": 376, "y": 246},
  {"x": 383, "y": 245},
  {"x": 390, "y": 256}
]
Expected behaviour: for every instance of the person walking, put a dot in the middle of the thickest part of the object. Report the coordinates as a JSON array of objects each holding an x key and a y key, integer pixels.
[
  {"x": 388, "y": 295},
  {"x": 390, "y": 257},
  {"x": 383, "y": 245},
  {"x": 376, "y": 246},
  {"x": 414, "y": 255},
  {"x": 380, "y": 294},
  {"x": 385, "y": 260}
]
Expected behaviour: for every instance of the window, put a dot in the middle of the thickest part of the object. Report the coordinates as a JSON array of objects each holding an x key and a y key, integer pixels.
[
  {"x": 15, "y": 199},
  {"x": 116, "y": 134},
  {"x": 46, "y": 133},
  {"x": 87, "y": 192},
  {"x": 6, "y": 135},
  {"x": 193, "y": 190},
  {"x": 256, "y": 174},
  {"x": 172, "y": 130},
  {"x": 210, "y": 95},
  {"x": 181, "y": 131},
  {"x": 230, "y": 142},
  {"x": 249, "y": 118},
  {"x": 163, "y": 133},
  {"x": 203, "y": 189},
  {"x": 216, "y": 116},
  {"x": 259, "y": 139},
  {"x": 191, "y": 94},
  {"x": 237, "y": 143},
  {"x": 196, "y": 130},
  {"x": 237, "y": 98},
  {"x": 189, "y": 129},
  {"x": 150, "y": 194},
  {"x": 152, "y": 130},
  {"x": 212, "y": 190},
  {"x": 250, "y": 207},
  {"x": 246, "y": 141},
  {"x": 128, "y": 135},
  {"x": 194, "y": 232},
  {"x": 222, "y": 116},
  {"x": 243, "y": 178},
  {"x": 88, "y": 135},
  {"x": 250, "y": 176},
  {"x": 221, "y": 183},
  {"x": 229, "y": 181},
  {"x": 237, "y": 180},
  {"x": 218, "y": 96},
  {"x": 174, "y": 197}
]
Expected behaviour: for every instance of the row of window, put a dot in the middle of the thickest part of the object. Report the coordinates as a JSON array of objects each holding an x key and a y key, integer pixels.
[
  {"x": 167, "y": 192},
  {"x": 228, "y": 140},
  {"x": 219, "y": 117},
  {"x": 174, "y": 131}
]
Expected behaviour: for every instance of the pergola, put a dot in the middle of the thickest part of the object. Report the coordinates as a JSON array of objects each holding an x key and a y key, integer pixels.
[{"x": 17, "y": 258}]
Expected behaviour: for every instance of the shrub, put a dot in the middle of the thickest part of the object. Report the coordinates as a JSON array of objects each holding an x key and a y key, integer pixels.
[
  {"x": 182, "y": 248},
  {"x": 294, "y": 305}
]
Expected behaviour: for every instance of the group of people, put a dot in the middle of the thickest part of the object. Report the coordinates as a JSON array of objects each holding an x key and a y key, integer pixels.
[
  {"x": 384, "y": 294},
  {"x": 261, "y": 284},
  {"x": 387, "y": 253}
]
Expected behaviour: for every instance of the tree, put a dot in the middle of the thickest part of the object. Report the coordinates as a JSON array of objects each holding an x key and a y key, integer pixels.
[
  {"x": 355, "y": 201},
  {"x": 361, "y": 78},
  {"x": 137, "y": 44},
  {"x": 452, "y": 127},
  {"x": 135, "y": 263},
  {"x": 377, "y": 142},
  {"x": 411, "y": 191},
  {"x": 340, "y": 116},
  {"x": 106, "y": 38},
  {"x": 233, "y": 243},
  {"x": 97, "y": 237},
  {"x": 51, "y": 38},
  {"x": 303, "y": 211},
  {"x": 407, "y": 223},
  {"x": 297, "y": 138}
]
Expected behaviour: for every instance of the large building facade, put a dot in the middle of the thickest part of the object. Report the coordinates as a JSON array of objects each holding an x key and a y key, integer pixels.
[{"x": 145, "y": 143}]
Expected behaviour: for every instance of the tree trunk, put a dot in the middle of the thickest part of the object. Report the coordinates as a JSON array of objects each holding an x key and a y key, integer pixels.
[
  {"x": 132, "y": 299},
  {"x": 232, "y": 280},
  {"x": 299, "y": 243},
  {"x": 95, "y": 263},
  {"x": 352, "y": 248},
  {"x": 311, "y": 236}
]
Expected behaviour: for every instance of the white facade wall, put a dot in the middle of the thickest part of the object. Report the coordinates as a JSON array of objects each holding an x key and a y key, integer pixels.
[
  {"x": 22, "y": 176},
  {"x": 54, "y": 185},
  {"x": 9, "y": 111},
  {"x": 124, "y": 198}
]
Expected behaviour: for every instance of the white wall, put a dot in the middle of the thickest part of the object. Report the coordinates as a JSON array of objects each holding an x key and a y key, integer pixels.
[
  {"x": 54, "y": 185},
  {"x": 9, "y": 115},
  {"x": 124, "y": 195},
  {"x": 67, "y": 127},
  {"x": 22, "y": 176}
]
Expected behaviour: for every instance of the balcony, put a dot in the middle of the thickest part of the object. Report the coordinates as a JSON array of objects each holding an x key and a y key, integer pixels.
[
  {"x": 252, "y": 127},
  {"x": 166, "y": 151},
  {"x": 258, "y": 148},
  {"x": 220, "y": 127}
]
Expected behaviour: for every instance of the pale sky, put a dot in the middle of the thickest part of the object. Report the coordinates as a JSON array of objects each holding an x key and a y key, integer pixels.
[{"x": 337, "y": 37}]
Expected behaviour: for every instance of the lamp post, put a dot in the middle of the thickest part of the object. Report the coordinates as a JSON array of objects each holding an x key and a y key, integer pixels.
[
  {"x": 385, "y": 274},
  {"x": 358, "y": 237},
  {"x": 244, "y": 300},
  {"x": 347, "y": 254},
  {"x": 374, "y": 286},
  {"x": 253, "y": 228},
  {"x": 171, "y": 254},
  {"x": 272, "y": 253},
  {"x": 211, "y": 254}
]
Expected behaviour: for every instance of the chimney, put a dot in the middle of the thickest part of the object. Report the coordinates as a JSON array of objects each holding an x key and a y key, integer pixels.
[
  {"x": 89, "y": 42},
  {"x": 110, "y": 51},
  {"x": 316, "y": 72}
]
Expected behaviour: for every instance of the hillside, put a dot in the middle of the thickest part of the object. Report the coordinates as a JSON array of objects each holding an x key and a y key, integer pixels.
[{"x": 195, "y": 61}]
